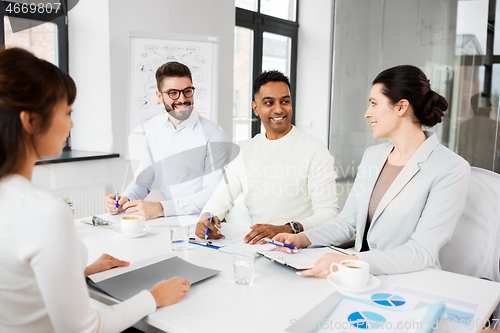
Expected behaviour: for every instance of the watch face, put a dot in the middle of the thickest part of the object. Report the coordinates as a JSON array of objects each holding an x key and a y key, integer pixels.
[{"x": 295, "y": 227}]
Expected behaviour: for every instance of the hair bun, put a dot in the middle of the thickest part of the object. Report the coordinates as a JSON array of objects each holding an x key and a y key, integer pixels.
[{"x": 433, "y": 109}]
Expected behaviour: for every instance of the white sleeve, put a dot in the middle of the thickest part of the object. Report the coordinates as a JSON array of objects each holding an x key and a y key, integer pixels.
[
  {"x": 341, "y": 228},
  {"x": 56, "y": 259},
  {"x": 140, "y": 186},
  {"x": 322, "y": 189},
  {"x": 228, "y": 190},
  {"x": 216, "y": 158}
]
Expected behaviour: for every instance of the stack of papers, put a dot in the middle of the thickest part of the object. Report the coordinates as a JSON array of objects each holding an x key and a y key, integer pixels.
[
  {"x": 303, "y": 259},
  {"x": 233, "y": 232}
]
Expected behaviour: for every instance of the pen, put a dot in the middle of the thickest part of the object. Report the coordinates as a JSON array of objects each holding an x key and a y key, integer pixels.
[
  {"x": 208, "y": 229},
  {"x": 194, "y": 241},
  {"x": 340, "y": 251},
  {"x": 116, "y": 199},
  {"x": 270, "y": 241}
]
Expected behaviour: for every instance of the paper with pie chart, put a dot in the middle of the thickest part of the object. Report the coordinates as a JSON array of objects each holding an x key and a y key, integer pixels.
[
  {"x": 344, "y": 314},
  {"x": 402, "y": 298},
  {"x": 383, "y": 311},
  {"x": 366, "y": 320},
  {"x": 353, "y": 315},
  {"x": 388, "y": 300}
]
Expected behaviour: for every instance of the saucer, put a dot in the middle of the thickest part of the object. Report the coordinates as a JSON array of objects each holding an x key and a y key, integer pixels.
[
  {"x": 118, "y": 231},
  {"x": 334, "y": 279}
]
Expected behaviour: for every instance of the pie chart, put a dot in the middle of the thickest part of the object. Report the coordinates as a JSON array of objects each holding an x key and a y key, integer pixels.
[
  {"x": 388, "y": 300},
  {"x": 366, "y": 320}
]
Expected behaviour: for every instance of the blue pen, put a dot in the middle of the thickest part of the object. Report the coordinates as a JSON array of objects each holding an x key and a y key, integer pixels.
[
  {"x": 116, "y": 199},
  {"x": 270, "y": 241},
  {"x": 208, "y": 229}
]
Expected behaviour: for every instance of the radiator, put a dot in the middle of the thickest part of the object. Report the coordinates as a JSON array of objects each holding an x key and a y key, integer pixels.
[{"x": 87, "y": 201}]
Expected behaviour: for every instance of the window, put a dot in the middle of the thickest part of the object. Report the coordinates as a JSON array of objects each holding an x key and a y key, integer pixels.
[
  {"x": 36, "y": 26},
  {"x": 283, "y": 9},
  {"x": 39, "y": 37},
  {"x": 42, "y": 31},
  {"x": 265, "y": 39}
]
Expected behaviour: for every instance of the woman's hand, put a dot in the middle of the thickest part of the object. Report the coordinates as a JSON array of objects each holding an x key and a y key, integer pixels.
[
  {"x": 322, "y": 266},
  {"x": 104, "y": 263},
  {"x": 297, "y": 240},
  {"x": 169, "y": 291}
]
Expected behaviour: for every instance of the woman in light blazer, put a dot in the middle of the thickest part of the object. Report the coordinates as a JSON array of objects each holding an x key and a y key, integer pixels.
[{"x": 408, "y": 194}]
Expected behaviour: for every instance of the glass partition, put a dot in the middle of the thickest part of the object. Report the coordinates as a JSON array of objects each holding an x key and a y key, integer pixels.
[{"x": 450, "y": 40}]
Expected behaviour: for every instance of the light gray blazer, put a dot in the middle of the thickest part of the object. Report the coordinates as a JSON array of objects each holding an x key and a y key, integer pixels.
[{"x": 415, "y": 217}]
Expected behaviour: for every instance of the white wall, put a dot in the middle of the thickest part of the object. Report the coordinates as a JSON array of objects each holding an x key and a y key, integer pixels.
[
  {"x": 89, "y": 66},
  {"x": 98, "y": 41},
  {"x": 312, "y": 105}
]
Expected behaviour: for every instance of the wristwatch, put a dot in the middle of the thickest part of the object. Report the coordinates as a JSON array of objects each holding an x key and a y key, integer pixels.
[{"x": 295, "y": 227}]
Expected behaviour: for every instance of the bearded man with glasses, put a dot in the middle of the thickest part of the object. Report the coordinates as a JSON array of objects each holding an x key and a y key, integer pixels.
[{"x": 184, "y": 154}]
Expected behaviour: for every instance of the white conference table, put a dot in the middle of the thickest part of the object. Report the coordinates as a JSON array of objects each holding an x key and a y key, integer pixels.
[{"x": 278, "y": 295}]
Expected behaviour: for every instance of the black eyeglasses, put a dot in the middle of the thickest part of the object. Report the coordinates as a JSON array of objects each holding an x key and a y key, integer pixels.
[{"x": 175, "y": 93}]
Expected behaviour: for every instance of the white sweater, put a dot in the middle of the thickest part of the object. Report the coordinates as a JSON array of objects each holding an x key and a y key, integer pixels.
[
  {"x": 289, "y": 179},
  {"x": 42, "y": 259}
]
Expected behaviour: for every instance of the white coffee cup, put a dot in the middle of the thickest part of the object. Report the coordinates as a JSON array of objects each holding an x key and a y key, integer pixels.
[
  {"x": 132, "y": 224},
  {"x": 353, "y": 273}
]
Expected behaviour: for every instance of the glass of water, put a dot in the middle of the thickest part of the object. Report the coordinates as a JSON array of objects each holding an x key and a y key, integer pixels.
[
  {"x": 244, "y": 267},
  {"x": 179, "y": 237}
]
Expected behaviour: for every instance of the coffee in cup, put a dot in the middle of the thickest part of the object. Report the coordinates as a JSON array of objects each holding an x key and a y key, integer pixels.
[
  {"x": 353, "y": 273},
  {"x": 132, "y": 224},
  {"x": 350, "y": 265}
]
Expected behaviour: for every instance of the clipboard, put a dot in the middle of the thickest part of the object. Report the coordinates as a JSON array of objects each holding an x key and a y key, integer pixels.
[
  {"x": 304, "y": 259},
  {"x": 233, "y": 233}
]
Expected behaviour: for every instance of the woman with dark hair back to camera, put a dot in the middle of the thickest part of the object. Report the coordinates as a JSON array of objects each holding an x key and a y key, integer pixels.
[
  {"x": 408, "y": 194},
  {"x": 42, "y": 259}
]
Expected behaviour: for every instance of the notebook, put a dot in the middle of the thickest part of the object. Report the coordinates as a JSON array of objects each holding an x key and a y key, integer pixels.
[{"x": 128, "y": 284}]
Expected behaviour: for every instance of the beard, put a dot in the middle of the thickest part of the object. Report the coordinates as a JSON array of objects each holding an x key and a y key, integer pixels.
[{"x": 180, "y": 115}]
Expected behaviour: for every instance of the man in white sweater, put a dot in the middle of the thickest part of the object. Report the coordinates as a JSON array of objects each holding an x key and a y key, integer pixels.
[{"x": 286, "y": 175}]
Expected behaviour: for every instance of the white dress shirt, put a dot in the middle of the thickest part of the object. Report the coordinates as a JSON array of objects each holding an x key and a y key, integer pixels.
[{"x": 185, "y": 161}]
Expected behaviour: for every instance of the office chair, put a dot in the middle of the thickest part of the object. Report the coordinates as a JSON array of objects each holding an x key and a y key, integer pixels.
[{"x": 474, "y": 248}]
